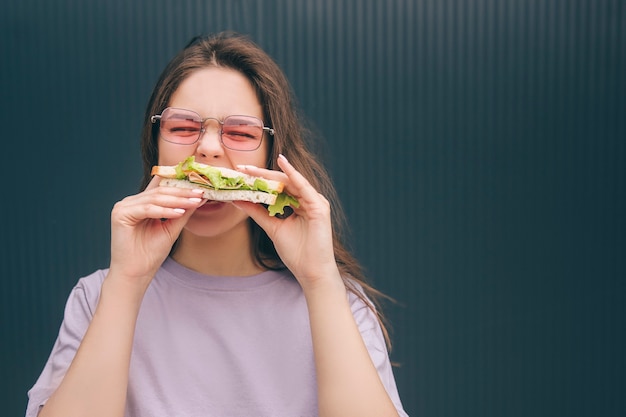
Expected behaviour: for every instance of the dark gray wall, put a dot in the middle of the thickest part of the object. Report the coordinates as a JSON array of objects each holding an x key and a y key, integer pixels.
[{"x": 478, "y": 147}]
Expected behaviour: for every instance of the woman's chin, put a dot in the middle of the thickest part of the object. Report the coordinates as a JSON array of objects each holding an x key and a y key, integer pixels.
[{"x": 214, "y": 218}]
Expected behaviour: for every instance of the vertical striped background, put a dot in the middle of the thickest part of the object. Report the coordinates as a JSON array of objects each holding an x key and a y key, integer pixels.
[{"x": 478, "y": 147}]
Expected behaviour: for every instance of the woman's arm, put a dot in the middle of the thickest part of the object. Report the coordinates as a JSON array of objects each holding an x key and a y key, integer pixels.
[
  {"x": 96, "y": 381},
  {"x": 348, "y": 382}
]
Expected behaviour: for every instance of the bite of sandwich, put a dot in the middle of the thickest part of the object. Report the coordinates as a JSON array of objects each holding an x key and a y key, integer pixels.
[{"x": 223, "y": 184}]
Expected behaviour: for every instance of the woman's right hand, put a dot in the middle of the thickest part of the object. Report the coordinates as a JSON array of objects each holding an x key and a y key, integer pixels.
[{"x": 145, "y": 226}]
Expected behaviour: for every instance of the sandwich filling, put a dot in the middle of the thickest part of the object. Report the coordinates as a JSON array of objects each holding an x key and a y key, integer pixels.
[{"x": 215, "y": 178}]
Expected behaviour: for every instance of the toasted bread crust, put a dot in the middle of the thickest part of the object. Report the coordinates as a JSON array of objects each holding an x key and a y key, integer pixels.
[{"x": 164, "y": 171}]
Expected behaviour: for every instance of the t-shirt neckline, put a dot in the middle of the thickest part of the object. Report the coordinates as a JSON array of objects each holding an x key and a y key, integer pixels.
[{"x": 196, "y": 279}]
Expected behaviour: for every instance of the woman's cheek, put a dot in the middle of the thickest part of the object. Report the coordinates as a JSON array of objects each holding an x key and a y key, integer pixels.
[{"x": 172, "y": 154}]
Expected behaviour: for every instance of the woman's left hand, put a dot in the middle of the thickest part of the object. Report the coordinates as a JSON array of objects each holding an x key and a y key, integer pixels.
[
  {"x": 304, "y": 240},
  {"x": 348, "y": 380}
]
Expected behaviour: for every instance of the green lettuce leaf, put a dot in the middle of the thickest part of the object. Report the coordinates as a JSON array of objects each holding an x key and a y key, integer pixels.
[
  {"x": 282, "y": 200},
  {"x": 235, "y": 183}
]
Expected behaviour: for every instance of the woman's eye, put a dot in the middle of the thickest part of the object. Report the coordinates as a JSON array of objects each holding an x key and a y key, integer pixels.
[
  {"x": 184, "y": 129},
  {"x": 242, "y": 132}
]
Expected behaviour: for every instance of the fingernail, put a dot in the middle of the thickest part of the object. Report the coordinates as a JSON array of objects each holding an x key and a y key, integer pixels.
[
  {"x": 179, "y": 210},
  {"x": 281, "y": 156},
  {"x": 197, "y": 191},
  {"x": 195, "y": 199}
]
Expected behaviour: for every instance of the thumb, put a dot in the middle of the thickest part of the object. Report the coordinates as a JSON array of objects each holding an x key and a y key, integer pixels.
[{"x": 259, "y": 214}]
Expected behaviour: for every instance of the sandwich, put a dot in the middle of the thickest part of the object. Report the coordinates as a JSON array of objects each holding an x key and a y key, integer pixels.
[{"x": 223, "y": 184}]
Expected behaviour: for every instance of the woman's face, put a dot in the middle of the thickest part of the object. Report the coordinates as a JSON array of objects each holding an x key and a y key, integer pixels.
[{"x": 215, "y": 92}]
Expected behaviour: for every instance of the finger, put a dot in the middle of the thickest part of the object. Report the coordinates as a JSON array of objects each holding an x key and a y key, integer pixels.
[
  {"x": 154, "y": 182},
  {"x": 259, "y": 214},
  {"x": 135, "y": 213},
  {"x": 297, "y": 185},
  {"x": 172, "y": 208},
  {"x": 178, "y": 221},
  {"x": 293, "y": 180},
  {"x": 158, "y": 204},
  {"x": 262, "y": 172}
]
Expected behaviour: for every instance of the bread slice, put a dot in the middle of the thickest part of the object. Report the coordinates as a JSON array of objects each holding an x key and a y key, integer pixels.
[
  {"x": 165, "y": 171},
  {"x": 223, "y": 195}
]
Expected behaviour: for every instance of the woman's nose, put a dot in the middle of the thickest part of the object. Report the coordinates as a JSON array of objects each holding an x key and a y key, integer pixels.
[{"x": 210, "y": 144}]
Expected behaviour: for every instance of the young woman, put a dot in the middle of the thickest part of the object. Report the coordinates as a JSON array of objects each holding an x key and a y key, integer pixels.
[{"x": 218, "y": 309}]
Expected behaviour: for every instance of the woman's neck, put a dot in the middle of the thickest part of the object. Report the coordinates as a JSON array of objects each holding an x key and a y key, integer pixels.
[{"x": 226, "y": 255}]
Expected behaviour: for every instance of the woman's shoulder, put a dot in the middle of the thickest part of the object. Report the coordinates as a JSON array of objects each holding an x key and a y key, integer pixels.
[
  {"x": 86, "y": 290},
  {"x": 91, "y": 281}
]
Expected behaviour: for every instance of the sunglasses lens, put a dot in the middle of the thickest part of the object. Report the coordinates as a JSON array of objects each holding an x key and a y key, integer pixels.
[
  {"x": 242, "y": 133},
  {"x": 180, "y": 126}
]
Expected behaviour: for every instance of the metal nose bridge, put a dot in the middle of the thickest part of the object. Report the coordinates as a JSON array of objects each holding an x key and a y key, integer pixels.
[{"x": 204, "y": 121}]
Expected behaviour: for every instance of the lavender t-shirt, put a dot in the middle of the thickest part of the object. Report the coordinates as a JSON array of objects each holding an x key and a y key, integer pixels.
[{"x": 213, "y": 346}]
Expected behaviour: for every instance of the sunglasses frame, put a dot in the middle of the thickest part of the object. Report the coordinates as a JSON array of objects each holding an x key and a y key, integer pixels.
[{"x": 202, "y": 121}]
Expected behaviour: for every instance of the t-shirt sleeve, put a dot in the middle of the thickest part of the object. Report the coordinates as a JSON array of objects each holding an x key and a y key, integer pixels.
[
  {"x": 79, "y": 310},
  {"x": 374, "y": 339}
]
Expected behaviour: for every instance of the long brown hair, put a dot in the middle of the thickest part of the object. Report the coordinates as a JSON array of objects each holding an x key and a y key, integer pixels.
[{"x": 292, "y": 139}]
